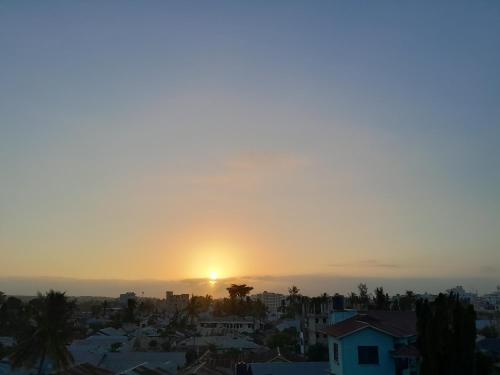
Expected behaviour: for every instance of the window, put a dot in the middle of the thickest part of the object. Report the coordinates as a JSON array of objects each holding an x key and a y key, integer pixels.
[
  {"x": 368, "y": 355},
  {"x": 336, "y": 352}
]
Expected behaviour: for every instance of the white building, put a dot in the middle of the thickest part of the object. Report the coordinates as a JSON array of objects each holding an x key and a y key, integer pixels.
[
  {"x": 493, "y": 299},
  {"x": 273, "y": 302},
  {"x": 463, "y": 295}
]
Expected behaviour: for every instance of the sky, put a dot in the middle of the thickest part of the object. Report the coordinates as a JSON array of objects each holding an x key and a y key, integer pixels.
[{"x": 171, "y": 140}]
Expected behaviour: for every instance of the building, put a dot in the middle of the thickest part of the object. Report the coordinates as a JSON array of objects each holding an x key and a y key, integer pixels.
[
  {"x": 289, "y": 368},
  {"x": 176, "y": 302},
  {"x": 374, "y": 343},
  {"x": 492, "y": 300},
  {"x": 313, "y": 329},
  {"x": 227, "y": 325},
  {"x": 124, "y": 297},
  {"x": 273, "y": 303},
  {"x": 220, "y": 343},
  {"x": 463, "y": 295}
]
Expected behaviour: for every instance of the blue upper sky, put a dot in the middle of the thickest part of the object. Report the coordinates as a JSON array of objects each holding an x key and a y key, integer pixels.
[{"x": 164, "y": 136}]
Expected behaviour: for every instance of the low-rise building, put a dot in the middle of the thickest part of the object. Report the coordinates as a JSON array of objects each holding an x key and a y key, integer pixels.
[
  {"x": 492, "y": 300},
  {"x": 289, "y": 368},
  {"x": 227, "y": 325},
  {"x": 221, "y": 343},
  {"x": 374, "y": 343}
]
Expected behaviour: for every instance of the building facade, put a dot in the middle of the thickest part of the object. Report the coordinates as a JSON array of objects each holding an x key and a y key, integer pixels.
[
  {"x": 176, "y": 302},
  {"x": 273, "y": 303},
  {"x": 227, "y": 325},
  {"x": 374, "y": 343}
]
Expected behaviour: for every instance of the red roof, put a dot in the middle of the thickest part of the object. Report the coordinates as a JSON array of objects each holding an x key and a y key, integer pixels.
[{"x": 394, "y": 323}]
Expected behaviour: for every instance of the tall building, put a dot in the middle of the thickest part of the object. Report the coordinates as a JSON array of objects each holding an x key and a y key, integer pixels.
[{"x": 273, "y": 302}]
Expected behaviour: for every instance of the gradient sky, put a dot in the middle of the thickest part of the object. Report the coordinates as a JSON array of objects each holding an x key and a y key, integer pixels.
[{"x": 169, "y": 140}]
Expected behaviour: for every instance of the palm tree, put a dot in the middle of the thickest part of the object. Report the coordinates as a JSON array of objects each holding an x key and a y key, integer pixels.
[
  {"x": 50, "y": 331},
  {"x": 193, "y": 309},
  {"x": 192, "y": 312}
]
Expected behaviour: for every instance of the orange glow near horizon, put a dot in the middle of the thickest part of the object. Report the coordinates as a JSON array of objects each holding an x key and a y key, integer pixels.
[{"x": 215, "y": 261}]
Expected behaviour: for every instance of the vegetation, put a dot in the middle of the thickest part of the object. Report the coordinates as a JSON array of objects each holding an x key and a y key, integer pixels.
[
  {"x": 363, "y": 297},
  {"x": 239, "y": 303},
  {"x": 14, "y": 317},
  {"x": 153, "y": 344},
  {"x": 317, "y": 353},
  {"x": 286, "y": 340},
  {"x": 446, "y": 336},
  {"x": 293, "y": 302},
  {"x": 131, "y": 310},
  {"x": 406, "y": 302},
  {"x": 381, "y": 300},
  {"x": 49, "y": 331},
  {"x": 239, "y": 291}
]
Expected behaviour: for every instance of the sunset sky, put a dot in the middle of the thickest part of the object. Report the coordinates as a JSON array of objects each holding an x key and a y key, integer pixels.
[{"x": 170, "y": 140}]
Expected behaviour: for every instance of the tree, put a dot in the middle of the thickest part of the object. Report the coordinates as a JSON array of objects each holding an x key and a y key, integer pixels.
[
  {"x": 286, "y": 340},
  {"x": 446, "y": 336},
  {"x": 193, "y": 309},
  {"x": 259, "y": 310},
  {"x": 240, "y": 291},
  {"x": 363, "y": 295},
  {"x": 294, "y": 298},
  {"x": 51, "y": 330},
  {"x": 353, "y": 300},
  {"x": 407, "y": 301},
  {"x": 381, "y": 299},
  {"x": 130, "y": 311},
  {"x": 317, "y": 353},
  {"x": 153, "y": 344},
  {"x": 14, "y": 317},
  {"x": 3, "y": 297}
]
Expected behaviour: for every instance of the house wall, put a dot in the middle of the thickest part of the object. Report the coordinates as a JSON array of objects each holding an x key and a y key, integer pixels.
[
  {"x": 335, "y": 367},
  {"x": 348, "y": 353}
]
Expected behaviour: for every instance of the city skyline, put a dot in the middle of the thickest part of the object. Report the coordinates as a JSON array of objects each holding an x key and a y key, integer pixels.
[{"x": 176, "y": 141}]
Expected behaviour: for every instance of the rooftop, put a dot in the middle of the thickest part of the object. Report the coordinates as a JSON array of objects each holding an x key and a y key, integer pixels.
[
  {"x": 394, "y": 323},
  {"x": 290, "y": 368}
]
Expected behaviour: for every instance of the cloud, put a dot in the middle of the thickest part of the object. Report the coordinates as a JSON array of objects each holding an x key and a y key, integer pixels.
[
  {"x": 308, "y": 284},
  {"x": 368, "y": 263},
  {"x": 488, "y": 269}
]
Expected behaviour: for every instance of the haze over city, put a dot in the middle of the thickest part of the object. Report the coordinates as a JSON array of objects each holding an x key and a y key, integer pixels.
[{"x": 276, "y": 143}]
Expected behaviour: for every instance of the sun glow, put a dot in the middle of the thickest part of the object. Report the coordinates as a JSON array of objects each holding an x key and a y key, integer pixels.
[{"x": 213, "y": 276}]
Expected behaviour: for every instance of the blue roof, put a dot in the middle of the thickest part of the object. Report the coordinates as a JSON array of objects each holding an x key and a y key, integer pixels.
[{"x": 290, "y": 368}]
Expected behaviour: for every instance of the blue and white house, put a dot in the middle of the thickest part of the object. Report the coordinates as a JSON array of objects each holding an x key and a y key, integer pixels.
[{"x": 372, "y": 343}]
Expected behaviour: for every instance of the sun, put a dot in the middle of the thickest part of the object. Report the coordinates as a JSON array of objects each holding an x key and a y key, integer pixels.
[{"x": 213, "y": 276}]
